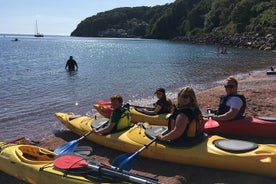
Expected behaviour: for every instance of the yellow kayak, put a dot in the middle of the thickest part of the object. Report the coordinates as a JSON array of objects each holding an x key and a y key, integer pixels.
[
  {"x": 136, "y": 116},
  {"x": 36, "y": 165},
  {"x": 159, "y": 119},
  {"x": 210, "y": 151}
]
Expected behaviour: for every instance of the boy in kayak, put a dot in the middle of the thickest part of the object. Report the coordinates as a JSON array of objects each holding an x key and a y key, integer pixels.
[
  {"x": 163, "y": 104},
  {"x": 119, "y": 118},
  {"x": 184, "y": 124},
  {"x": 232, "y": 105}
]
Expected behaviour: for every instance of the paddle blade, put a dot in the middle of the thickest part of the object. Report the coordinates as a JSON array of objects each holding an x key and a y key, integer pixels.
[
  {"x": 70, "y": 162},
  {"x": 118, "y": 160},
  {"x": 211, "y": 124},
  {"x": 125, "y": 161},
  {"x": 68, "y": 147}
]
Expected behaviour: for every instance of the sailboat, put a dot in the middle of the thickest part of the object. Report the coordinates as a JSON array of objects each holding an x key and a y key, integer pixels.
[{"x": 37, "y": 34}]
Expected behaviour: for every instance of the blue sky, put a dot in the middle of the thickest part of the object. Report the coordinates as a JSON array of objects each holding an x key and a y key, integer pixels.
[{"x": 57, "y": 17}]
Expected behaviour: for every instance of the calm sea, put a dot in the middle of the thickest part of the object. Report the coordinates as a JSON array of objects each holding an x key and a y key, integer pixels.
[{"x": 35, "y": 85}]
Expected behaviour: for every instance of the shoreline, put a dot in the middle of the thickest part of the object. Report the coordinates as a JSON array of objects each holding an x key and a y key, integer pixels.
[
  {"x": 250, "y": 40},
  {"x": 261, "y": 101}
]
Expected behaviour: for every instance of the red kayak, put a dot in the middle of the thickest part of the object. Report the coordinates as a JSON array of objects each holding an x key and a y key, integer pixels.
[
  {"x": 104, "y": 107},
  {"x": 248, "y": 126}
]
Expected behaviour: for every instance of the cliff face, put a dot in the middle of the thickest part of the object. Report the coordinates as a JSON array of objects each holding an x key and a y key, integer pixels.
[{"x": 241, "y": 23}]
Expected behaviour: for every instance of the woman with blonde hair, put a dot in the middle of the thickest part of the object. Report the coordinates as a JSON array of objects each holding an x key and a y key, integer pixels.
[{"x": 185, "y": 122}]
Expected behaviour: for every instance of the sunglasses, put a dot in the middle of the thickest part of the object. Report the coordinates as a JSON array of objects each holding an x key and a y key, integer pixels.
[
  {"x": 185, "y": 96},
  {"x": 229, "y": 86},
  {"x": 159, "y": 93}
]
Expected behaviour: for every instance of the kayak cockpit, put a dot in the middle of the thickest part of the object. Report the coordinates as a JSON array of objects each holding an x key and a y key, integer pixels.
[{"x": 34, "y": 155}]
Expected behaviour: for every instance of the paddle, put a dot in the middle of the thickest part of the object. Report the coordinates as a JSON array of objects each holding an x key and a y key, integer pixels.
[
  {"x": 71, "y": 163},
  {"x": 72, "y": 145},
  {"x": 15, "y": 141},
  {"x": 19, "y": 140},
  {"x": 127, "y": 160},
  {"x": 138, "y": 108}
]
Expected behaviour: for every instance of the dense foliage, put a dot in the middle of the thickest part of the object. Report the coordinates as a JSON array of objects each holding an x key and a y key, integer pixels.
[{"x": 183, "y": 18}]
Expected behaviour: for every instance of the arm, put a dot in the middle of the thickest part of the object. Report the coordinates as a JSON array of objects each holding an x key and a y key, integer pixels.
[
  {"x": 114, "y": 119},
  {"x": 231, "y": 114},
  {"x": 235, "y": 104},
  {"x": 156, "y": 110},
  {"x": 180, "y": 126}
]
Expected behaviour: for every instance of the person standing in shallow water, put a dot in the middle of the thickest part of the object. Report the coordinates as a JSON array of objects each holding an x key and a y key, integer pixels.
[{"x": 71, "y": 64}]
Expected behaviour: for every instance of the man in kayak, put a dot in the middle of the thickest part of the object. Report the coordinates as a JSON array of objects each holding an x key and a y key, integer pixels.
[
  {"x": 119, "y": 118},
  {"x": 163, "y": 104},
  {"x": 186, "y": 120},
  {"x": 232, "y": 105},
  {"x": 71, "y": 64}
]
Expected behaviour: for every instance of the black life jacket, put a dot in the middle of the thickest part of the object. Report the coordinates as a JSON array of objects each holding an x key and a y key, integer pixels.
[
  {"x": 165, "y": 104},
  {"x": 192, "y": 130},
  {"x": 223, "y": 108}
]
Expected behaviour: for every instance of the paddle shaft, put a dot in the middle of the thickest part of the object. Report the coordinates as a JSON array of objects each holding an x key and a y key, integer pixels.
[
  {"x": 209, "y": 112},
  {"x": 152, "y": 141},
  {"x": 73, "y": 161},
  {"x": 16, "y": 140},
  {"x": 91, "y": 131},
  {"x": 147, "y": 145},
  {"x": 121, "y": 174},
  {"x": 126, "y": 162}
]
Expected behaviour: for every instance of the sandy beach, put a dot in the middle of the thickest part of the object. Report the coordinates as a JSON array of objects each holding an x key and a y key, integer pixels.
[{"x": 259, "y": 90}]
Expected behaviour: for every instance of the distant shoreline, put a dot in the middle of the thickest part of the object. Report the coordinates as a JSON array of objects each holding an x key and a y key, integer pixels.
[{"x": 242, "y": 40}]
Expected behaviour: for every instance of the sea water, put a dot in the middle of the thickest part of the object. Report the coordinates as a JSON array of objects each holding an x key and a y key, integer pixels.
[{"x": 35, "y": 84}]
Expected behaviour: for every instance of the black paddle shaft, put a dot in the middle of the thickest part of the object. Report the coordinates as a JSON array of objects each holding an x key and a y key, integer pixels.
[
  {"x": 152, "y": 141},
  {"x": 124, "y": 175},
  {"x": 97, "y": 128}
]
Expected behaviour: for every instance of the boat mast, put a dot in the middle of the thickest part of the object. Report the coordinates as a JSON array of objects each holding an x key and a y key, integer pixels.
[
  {"x": 37, "y": 34},
  {"x": 36, "y": 28}
]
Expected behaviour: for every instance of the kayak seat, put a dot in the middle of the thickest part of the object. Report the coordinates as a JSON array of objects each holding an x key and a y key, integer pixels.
[
  {"x": 152, "y": 131},
  {"x": 235, "y": 146},
  {"x": 99, "y": 123},
  {"x": 34, "y": 155}
]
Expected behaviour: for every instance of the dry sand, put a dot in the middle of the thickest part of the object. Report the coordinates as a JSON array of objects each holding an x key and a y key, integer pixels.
[{"x": 259, "y": 90}]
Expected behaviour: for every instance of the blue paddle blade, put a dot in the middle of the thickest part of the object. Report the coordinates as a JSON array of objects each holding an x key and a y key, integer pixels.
[
  {"x": 125, "y": 161},
  {"x": 67, "y": 148},
  {"x": 118, "y": 160}
]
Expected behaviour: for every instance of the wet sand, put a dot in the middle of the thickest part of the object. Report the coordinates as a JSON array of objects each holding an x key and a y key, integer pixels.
[{"x": 259, "y": 89}]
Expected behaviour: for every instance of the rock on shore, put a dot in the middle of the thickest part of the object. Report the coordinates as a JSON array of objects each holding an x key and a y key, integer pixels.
[{"x": 243, "y": 40}]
